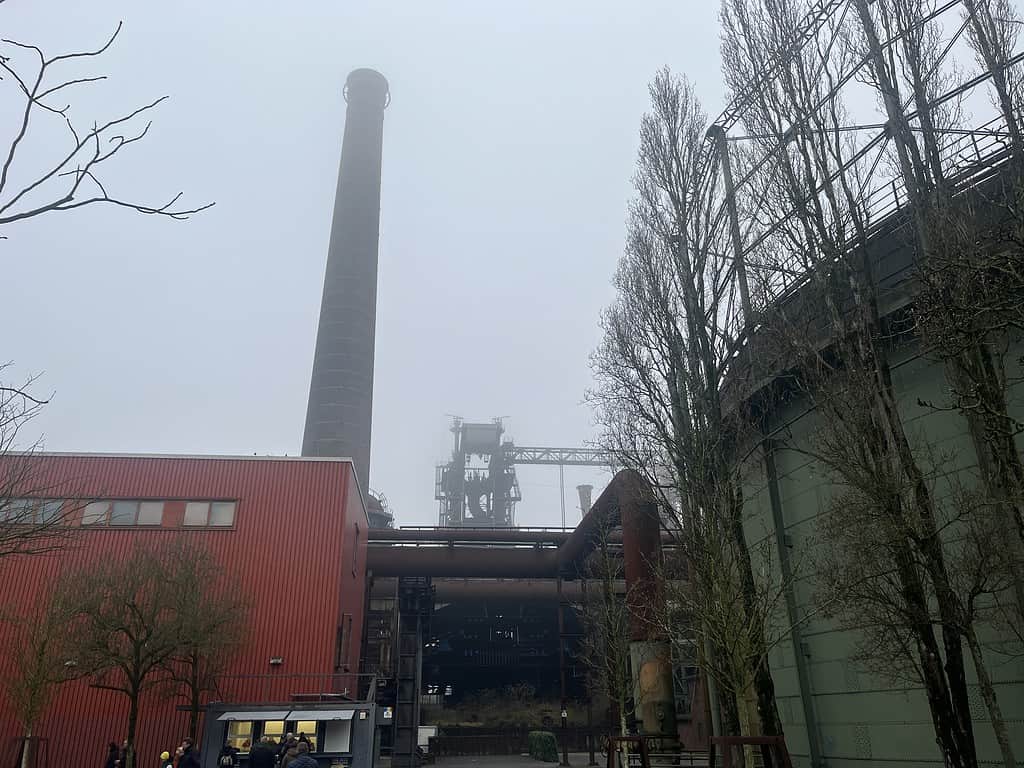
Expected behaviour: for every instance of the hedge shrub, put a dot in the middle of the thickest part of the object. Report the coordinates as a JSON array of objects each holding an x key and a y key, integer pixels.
[{"x": 543, "y": 746}]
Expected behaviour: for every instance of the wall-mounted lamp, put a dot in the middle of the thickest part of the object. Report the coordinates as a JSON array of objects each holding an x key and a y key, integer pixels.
[{"x": 276, "y": 661}]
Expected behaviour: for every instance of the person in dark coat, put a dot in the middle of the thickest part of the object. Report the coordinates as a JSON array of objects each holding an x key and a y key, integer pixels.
[
  {"x": 112, "y": 755},
  {"x": 262, "y": 755},
  {"x": 287, "y": 742},
  {"x": 228, "y": 756},
  {"x": 302, "y": 757},
  {"x": 290, "y": 754},
  {"x": 189, "y": 756}
]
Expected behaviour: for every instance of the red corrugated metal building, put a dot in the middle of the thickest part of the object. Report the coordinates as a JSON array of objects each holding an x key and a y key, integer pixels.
[{"x": 291, "y": 530}]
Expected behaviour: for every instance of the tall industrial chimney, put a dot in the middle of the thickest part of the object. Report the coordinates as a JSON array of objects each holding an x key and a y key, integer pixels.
[
  {"x": 584, "y": 491},
  {"x": 341, "y": 389}
]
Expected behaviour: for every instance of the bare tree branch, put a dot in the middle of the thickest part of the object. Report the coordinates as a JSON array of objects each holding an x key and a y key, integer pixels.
[{"x": 85, "y": 157}]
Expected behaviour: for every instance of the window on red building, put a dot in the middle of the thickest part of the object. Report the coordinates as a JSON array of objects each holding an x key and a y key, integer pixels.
[
  {"x": 218, "y": 514},
  {"x": 96, "y": 513},
  {"x": 30, "y": 510},
  {"x": 123, "y": 512},
  {"x": 222, "y": 513},
  {"x": 355, "y": 549},
  {"x": 151, "y": 513},
  {"x": 342, "y": 643}
]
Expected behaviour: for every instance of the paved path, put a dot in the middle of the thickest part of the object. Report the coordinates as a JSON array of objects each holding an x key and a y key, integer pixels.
[{"x": 576, "y": 760}]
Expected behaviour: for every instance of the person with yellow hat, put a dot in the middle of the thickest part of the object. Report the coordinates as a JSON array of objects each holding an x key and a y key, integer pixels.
[{"x": 165, "y": 760}]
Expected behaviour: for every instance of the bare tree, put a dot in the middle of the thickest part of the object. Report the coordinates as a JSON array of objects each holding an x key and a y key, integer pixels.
[
  {"x": 707, "y": 595},
  {"x": 604, "y": 648},
  {"x": 993, "y": 28},
  {"x": 671, "y": 343},
  {"x": 130, "y": 623},
  {"x": 833, "y": 331},
  {"x": 213, "y": 618},
  {"x": 38, "y": 662},
  {"x": 970, "y": 261},
  {"x": 36, "y": 87},
  {"x": 35, "y": 509}
]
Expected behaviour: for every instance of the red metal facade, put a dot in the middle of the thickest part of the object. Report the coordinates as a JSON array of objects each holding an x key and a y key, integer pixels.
[{"x": 297, "y": 546}]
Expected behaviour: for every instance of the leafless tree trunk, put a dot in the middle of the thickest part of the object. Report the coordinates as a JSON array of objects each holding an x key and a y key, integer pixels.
[
  {"x": 130, "y": 622},
  {"x": 38, "y": 662},
  {"x": 843, "y": 350},
  {"x": 605, "y": 614},
  {"x": 212, "y": 615},
  {"x": 947, "y": 236},
  {"x": 671, "y": 339}
]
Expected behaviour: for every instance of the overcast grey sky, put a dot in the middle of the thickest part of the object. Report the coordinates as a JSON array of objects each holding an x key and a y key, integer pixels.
[{"x": 508, "y": 150}]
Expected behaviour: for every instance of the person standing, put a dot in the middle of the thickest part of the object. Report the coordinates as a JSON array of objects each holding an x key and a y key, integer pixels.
[
  {"x": 189, "y": 757},
  {"x": 227, "y": 757},
  {"x": 284, "y": 746},
  {"x": 262, "y": 754},
  {"x": 290, "y": 753},
  {"x": 302, "y": 757},
  {"x": 165, "y": 760}
]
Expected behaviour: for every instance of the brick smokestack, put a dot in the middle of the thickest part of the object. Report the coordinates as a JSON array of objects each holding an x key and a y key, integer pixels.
[{"x": 341, "y": 389}]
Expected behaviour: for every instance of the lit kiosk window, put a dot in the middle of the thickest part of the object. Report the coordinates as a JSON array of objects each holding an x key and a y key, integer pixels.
[
  {"x": 328, "y": 731},
  {"x": 244, "y": 728},
  {"x": 306, "y": 728},
  {"x": 274, "y": 729},
  {"x": 240, "y": 735}
]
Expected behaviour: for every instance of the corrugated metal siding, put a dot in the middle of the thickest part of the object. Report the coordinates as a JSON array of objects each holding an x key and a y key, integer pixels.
[{"x": 289, "y": 548}]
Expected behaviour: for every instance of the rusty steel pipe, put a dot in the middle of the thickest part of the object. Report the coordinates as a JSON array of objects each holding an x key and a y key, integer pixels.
[
  {"x": 458, "y": 535},
  {"x": 462, "y": 561}
]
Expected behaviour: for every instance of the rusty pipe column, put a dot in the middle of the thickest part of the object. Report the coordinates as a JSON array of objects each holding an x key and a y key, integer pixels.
[{"x": 649, "y": 647}]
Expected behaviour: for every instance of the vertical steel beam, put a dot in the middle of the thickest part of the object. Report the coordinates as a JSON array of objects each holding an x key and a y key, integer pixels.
[
  {"x": 561, "y": 490},
  {"x": 739, "y": 261},
  {"x": 792, "y": 613},
  {"x": 561, "y": 669},
  {"x": 415, "y": 602}
]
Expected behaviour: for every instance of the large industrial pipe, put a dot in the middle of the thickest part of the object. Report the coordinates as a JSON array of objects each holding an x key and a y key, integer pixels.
[
  {"x": 462, "y": 561},
  {"x": 630, "y": 502},
  {"x": 649, "y": 647},
  {"x": 462, "y": 535},
  {"x": 603, "y": 517},
  {"x": 341, "y": 387}
]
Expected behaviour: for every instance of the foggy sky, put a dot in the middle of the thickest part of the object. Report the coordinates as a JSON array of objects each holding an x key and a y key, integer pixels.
[{"x": 508, "y": 150}]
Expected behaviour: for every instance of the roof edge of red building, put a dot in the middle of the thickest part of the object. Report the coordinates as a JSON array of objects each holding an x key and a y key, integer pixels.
[{"x": 188, "y": 456}]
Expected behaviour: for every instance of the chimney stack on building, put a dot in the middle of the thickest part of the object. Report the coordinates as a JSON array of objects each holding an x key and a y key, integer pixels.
[
  {"x": 584, "y": 492},
  {"x": 341, "y": 388}
]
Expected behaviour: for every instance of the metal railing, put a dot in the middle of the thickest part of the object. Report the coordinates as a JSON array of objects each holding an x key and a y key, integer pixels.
[{"x": 297, "y": 687}]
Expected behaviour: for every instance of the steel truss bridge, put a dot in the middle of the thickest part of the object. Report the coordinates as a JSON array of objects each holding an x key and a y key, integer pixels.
[{"x": 970, "y": 153}]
